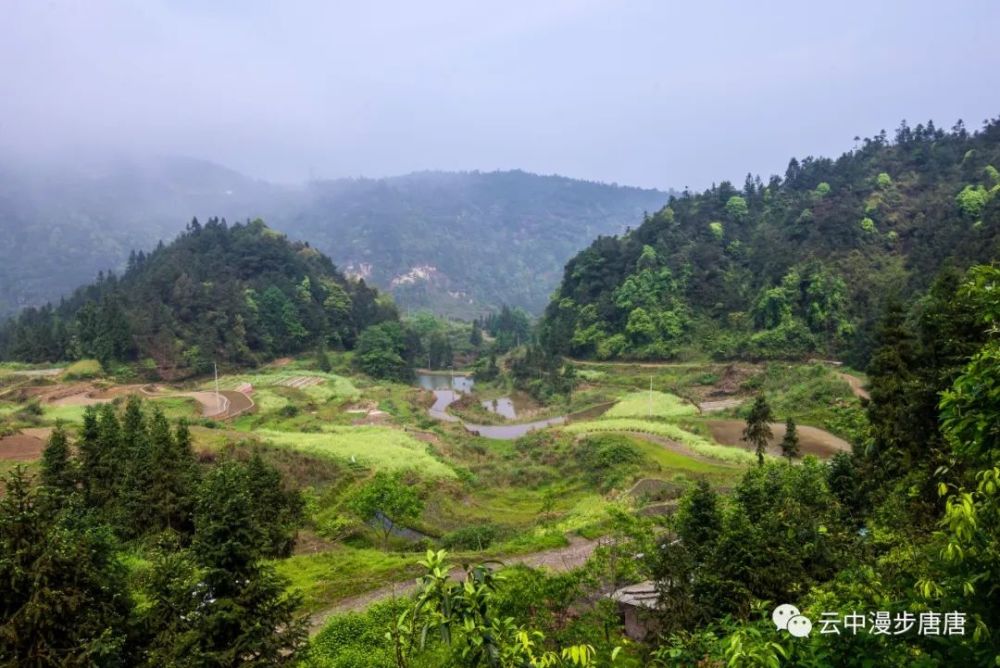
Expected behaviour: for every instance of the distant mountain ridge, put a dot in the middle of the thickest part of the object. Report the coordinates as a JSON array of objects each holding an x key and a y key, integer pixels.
[{"x": 454, "y": 242}]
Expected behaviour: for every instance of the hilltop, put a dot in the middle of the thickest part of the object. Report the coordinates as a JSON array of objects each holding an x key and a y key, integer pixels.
[
  {"x": 797, "y": 266},
  {"x": 240, "y": 293}
]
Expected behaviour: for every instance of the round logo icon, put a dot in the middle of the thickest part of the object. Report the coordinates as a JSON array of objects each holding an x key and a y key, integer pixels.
[
  {"x": 800, "y": 626},
  {"x": 782, "y": 614}
]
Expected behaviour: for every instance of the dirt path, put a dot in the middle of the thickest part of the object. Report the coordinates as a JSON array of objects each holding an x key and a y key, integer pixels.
[
  {"x": 857, "y": 385},
  {"x": 812, "y": 440},
  {"x": 229, "y": 403},
  {"x": 559, "y": 560},
  {"x": 679, "y": 448},
  {"x": 642, "y": 365}
]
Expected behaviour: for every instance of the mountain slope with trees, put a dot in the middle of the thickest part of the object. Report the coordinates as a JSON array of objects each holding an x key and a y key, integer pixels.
[
  {"x": 458, "y": 243},
  {"x": 237, "y": 293},
  {"x": 797, "y": 266}
]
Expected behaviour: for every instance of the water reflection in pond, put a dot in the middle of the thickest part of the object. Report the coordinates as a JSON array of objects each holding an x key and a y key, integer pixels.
[
  {"x": 503, "y": 407},
  {"x": 446, "y": 381},
  {"x": 448, "y": 388}
]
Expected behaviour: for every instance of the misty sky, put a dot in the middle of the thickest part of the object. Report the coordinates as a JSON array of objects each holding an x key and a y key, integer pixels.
[{"x": 663, "y": 94}]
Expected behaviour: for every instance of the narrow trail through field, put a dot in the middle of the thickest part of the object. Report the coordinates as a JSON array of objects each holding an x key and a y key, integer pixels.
[
  {"x": 679, "y": 448},
  {"x": 558, "y": 560},
  {"x": 229, "y": 403},
  {"x": 857, "y": 385}
]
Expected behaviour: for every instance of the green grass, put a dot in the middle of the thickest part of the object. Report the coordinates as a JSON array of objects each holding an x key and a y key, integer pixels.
[
  {"x": 670, "y": 461},
  {"x": 83, "y": 369},
  {"x": 653, "y": 404},
  {"x": 68, "y": 414},
  {"x": 698, "y": 444},
  {"x": 327, "y": 577},
  {"x": 381, "y": 448}
]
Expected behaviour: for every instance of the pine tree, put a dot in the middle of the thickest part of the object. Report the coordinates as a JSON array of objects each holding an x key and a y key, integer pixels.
[
  {"x": 476, "y": 336},
  {"x": 235, "y": 609},
  {"x": 174, "y": 475},
  {"x": 790, "y": 442},
  {"x": 758, "y": 429},
  {"x": 891, "y": 382},
  {"x": 699, "y": 518},
  {"x": 57, "y": 470},
  {"x": 64, "y": 600}
]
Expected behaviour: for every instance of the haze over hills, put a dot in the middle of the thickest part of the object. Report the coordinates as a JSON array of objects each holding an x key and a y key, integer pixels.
[{"x": 457, "y": 243}]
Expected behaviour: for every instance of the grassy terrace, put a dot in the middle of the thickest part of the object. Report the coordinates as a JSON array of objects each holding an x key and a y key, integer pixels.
[{"x": 380, "y": 448}]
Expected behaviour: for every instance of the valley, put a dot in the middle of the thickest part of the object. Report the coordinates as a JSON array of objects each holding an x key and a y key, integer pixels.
[{"x": 327, "y": 432}]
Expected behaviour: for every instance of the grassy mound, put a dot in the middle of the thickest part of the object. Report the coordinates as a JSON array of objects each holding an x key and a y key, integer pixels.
[
  {"x": 83, "y": 370},
  {"x": 651, "y": 404},
  {"x": 698, "y": 444},
  {"x": 380, "y": 448}
]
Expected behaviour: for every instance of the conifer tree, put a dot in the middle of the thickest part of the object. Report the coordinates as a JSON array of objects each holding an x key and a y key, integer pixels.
[
  {"x": 64, "y": 600},
  {"x": 758, "y": 429},
  {"x": 790, "y": 442},
  {"x": 57, "y": 469}
]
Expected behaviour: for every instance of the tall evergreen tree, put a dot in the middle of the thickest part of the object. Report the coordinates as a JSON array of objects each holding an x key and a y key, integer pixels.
[
  {"x": 64, "y": 600},
  {"x": 758, "y": 428},
  {"x": 790, "y": 441},
  {"x": 236, "y": 611},
  {"x": 58, "y": 471}
]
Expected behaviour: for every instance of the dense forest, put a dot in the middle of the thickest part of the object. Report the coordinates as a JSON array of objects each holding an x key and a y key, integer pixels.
[
  {"x": 458, "y": 243},
  {"x": 209, "y": 596},
  {"x": 796, "y": 266},
  {"x": 237, "y": 293},
  {"x": 455, "y": 243}
]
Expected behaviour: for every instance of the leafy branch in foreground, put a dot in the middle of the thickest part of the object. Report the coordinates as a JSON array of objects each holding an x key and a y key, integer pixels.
[{"x": 463, "y": 615}]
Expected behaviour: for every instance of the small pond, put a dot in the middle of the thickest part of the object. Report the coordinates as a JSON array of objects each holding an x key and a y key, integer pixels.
[{"x": 459, "y": 382}]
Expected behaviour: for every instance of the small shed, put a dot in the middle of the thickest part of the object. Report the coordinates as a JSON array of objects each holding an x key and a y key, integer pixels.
[{"x": 637, "y": 606}]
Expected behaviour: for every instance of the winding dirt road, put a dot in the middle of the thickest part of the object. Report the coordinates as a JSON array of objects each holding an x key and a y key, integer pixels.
[{"x": 558, "y": 560}]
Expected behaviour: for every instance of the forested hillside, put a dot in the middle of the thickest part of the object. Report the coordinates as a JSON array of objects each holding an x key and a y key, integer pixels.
[
  {"x": 796, "y": 266},
  {"x": 62, "y": 223},
  {"x": 238, "y": 293},
  {"x": 459, "y": 242}
]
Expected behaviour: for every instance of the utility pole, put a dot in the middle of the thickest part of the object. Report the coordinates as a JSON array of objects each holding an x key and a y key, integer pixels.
[{"x": 218, "y": 397}]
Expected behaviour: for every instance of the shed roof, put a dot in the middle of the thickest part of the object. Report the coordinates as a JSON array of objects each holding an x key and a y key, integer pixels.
[{"x": 642, "y": 595}]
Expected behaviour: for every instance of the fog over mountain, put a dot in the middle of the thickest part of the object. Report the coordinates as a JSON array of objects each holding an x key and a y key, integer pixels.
[
  {"x": 457, "y": 243},
  {"x": 649, "y": 93}
]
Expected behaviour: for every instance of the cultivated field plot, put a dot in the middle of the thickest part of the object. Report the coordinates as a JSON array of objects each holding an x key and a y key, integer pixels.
[
  {"x": 381, "y": 448},
  {"x": 651, "y": 404},
  {"x": 302, "y": 382},
  {"x": 316, "y": 385}
]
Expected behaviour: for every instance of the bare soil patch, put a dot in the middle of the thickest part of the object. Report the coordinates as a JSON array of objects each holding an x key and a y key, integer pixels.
[
  {"x": 21, "y": 448},
  {"x": 857, "y": 385},
  {"x": 812, "y": 440},
  {"x": 719, "y": 405}
]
